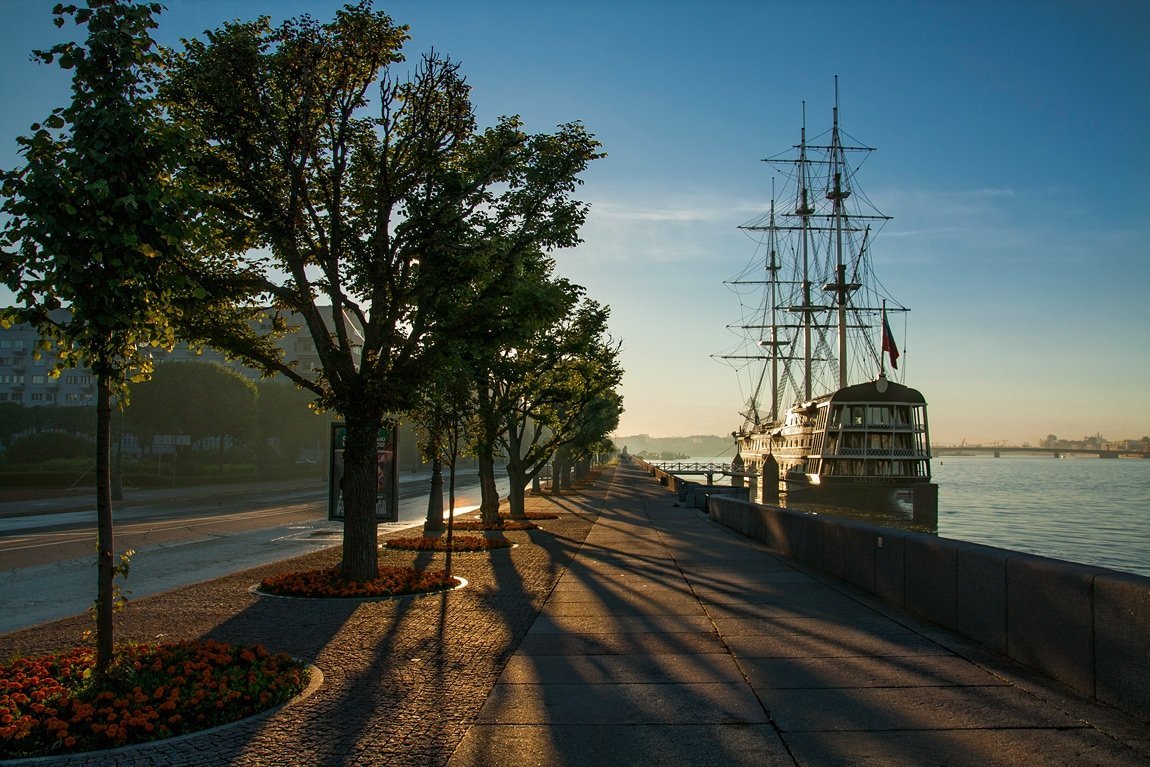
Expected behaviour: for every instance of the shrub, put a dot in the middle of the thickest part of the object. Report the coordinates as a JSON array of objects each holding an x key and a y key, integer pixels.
[{"x": 47, "y": 445}]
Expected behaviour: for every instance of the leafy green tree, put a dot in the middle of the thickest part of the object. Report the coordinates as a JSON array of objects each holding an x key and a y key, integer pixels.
[
  {"x": 47, "y": 445},
  {"x": 15, "y": 418},
  {"x": 545, "y": 389},
  {"x": 285, "y": 417},
  {"x": 383, "y": 224},
  {"x": 591, "y": 436},
  {"x": 96, "y": 223},
  {"x": 195, "y": 399},
  {"x": 445, "y": 415}
]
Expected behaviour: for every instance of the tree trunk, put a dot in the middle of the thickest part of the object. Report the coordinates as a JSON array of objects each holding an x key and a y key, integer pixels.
[
  {"x": 516, "y": 494},
  {"x": 485, "y": 454},
  {"x": 360, "y": 492},
  {"x": 434, "y": 522},
  {"x": 105, "y": 546},
  {"x": 558, "y": 473},
  {"x": 488, "y": 492},
  {"x": 450, "y": 512}
]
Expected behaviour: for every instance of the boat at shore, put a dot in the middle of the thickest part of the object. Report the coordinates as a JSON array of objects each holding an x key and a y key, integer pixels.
[{"x": 823, "y": 414}]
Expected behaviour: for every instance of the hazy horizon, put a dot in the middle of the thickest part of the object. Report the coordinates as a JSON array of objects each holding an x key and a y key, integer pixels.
[{"x": 1012, "y": 155}]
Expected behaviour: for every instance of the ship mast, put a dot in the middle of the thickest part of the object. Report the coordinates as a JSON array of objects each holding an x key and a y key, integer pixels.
[
  {"x": 837, "y": 194},
  {"x": 772, "y": 272},
  {"x": 805, "y": 210}
]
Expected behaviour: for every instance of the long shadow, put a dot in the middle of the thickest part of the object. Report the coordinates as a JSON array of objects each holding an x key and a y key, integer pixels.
[
  {"x": 403, "y": 678},
  {"x": 631, "y": 629}
]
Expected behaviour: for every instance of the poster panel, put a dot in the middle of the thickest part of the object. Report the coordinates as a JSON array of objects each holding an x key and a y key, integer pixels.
[{"x": 386, "y": 473}]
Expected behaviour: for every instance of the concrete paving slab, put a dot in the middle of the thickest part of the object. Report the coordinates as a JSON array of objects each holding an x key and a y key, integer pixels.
[
  {"x": 698, "y": 745},
  {"x": 830, "y": 607},
  {"x": 640, "y": 595},
  {"x": 644, "y": 703},
  {"x": 792, "y": 593},
  {"x": 621, "y": 644},
  {"x": 823, "y": 625},
  {"x": 597, "y": 607},
  {"x": 865, "y": 671},
  {"x": 708, "y": 584},
  {"x": 625, "y": 624},
  {"x": 621, "y": 669},
  {"x": 845, "y": 644},
  {"x": 963, "y": 748},
  {"x": 909, "y": 708}
]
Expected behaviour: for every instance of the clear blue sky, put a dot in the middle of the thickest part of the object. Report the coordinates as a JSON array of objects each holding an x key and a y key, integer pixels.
[{"x": 1013, "y": 157}]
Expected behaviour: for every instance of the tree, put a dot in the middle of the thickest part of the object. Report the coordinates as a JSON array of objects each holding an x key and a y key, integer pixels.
[
  {"x": 195, "y": 399},
  {"x": 446, "y": 416},
  {"x": 593, "y": 430},
  {"x": 287, "y": 420},
  {"x": 47, "y": 445},
  {"x": 97, "y": 224},
  {"x": 545, "y": 390},
  {"x": 383, "y": 225}
]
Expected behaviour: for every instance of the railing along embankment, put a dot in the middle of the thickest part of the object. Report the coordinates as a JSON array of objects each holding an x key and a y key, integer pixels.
[
  {"x": 1086, "y": 627},
  {"x": 690, "y": 492}
]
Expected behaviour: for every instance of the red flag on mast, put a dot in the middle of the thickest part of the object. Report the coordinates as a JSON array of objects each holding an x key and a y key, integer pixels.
[{"x": 888, "y": 344}]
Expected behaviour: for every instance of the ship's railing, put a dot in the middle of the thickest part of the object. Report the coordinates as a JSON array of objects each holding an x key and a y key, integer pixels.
[
  {"x": 862, "y": 452},
  {"x": 691, "y": 467},
  {"x": 880, "y": 427}
]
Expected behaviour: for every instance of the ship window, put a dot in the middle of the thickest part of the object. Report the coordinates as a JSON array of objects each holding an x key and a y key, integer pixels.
[
  {"x": 836, "y": 415},
  {"x": 880, "y": 415},
  {"x": 878, "y": 441}
]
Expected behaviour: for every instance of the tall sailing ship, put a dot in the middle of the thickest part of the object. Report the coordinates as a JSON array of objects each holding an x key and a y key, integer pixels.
[{"x": 823, "y": 413}]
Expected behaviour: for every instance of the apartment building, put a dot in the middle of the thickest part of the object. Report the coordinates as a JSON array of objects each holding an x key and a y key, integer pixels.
[{"x": 25, "y": 375}]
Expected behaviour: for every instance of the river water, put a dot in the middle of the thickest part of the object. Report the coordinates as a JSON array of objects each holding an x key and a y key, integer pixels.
[{"x": 1089, "y": 510}]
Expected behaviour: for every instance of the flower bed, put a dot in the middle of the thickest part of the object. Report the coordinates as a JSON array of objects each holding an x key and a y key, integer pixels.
[
  {"x": 502, "y": 524},
  {"x": 329, "y": 582},
  {"x": 50, "y": 705},
  {"x": 458, "y": 543}
]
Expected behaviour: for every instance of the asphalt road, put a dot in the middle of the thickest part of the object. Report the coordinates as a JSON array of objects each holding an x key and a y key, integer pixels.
[{"x": 47, "y": 564}]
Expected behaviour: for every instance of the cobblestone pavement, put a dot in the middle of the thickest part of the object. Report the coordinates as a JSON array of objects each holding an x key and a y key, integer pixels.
[{"x": 402, "y": 678}]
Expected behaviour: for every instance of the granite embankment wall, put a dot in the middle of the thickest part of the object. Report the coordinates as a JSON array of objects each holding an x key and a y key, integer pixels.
[{"x": 1087, "y": 627}]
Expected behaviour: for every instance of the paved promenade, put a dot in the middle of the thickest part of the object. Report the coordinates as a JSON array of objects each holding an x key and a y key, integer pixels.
[{"x": 630, "y": 631}]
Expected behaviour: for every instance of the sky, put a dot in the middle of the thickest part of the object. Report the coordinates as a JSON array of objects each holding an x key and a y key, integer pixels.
[{"x": 1012, "y": 155}]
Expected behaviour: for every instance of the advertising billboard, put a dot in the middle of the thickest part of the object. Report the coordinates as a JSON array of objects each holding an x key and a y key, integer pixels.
[{"x": 386, "y": 473}]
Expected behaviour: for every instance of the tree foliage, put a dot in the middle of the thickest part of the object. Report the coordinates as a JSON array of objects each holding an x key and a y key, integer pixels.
[
  {"x": 48, "y": 445},
  {"x": 97, "y": 223},
  {"x": 392, "y": 225},
  {"x": 548, "y": 390},
  {"x": 193, "y": 398}
]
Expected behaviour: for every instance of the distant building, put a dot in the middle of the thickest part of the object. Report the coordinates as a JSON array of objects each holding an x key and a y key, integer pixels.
[
  {"x": 1125, "y": 446},
  {"x": 25, "y": 379}
]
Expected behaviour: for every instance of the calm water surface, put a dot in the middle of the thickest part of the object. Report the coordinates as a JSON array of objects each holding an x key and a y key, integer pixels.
[{"x": 1087, "y": 510}]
